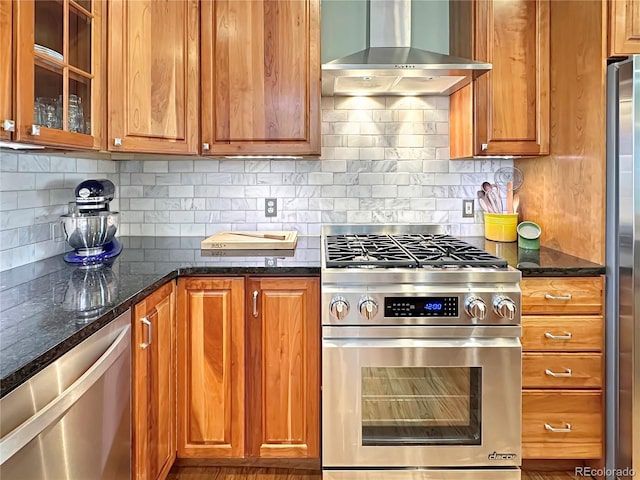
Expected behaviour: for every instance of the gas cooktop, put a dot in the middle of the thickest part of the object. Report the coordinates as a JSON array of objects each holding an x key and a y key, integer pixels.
[{"x": 412, "y": 250}]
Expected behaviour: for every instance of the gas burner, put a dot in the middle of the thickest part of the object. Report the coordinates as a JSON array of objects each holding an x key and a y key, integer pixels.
[{"x": 406, "y": 250}]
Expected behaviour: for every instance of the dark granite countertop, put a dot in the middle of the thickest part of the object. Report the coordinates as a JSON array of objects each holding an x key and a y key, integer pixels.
[
  {"x": 539, "y": 263},
  {"x": 40, "y": 319},
  {"x": 39, "y": 315}
]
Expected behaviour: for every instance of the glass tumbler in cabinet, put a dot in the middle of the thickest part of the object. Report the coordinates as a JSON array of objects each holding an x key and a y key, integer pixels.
[{"x": 58, "y": 72}]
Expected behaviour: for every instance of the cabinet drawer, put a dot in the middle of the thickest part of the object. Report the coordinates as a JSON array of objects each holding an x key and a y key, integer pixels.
[
  {"x": 576, "y": 416},
  {"x": 559, "y": 333},
  {"x": 567, "y": 296},
  {"x": 561, "y": 370}
]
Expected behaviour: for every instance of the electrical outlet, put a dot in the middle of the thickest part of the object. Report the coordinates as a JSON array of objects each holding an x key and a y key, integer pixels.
[
  {"x": 467, "y": 208},
  {"x": 270, "y": 207}
]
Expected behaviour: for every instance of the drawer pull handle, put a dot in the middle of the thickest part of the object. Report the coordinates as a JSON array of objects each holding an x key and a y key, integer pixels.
[
  {"x": 548, "y": 296},
  {"x": 566, "y": 428},
  {"x": 255, "y": 303},
  {"x": 146, "y": 322},
  {"x": 566, "y": 336},
  {"x": 566, "y": 373}
]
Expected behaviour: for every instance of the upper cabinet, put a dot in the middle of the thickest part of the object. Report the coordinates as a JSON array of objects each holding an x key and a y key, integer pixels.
[
  {"x": 59, "y": 97},
  {"x": 153, "y": 76},
  {"x": 505, "y": 111},
  {"x": 260, "y": 63},
  {"x": 7, "y": 124},
  {"x": 624, "y": 27}
]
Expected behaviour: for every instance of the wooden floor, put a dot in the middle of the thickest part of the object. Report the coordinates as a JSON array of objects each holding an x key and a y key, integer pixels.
[{"x": 249, "y": 473}]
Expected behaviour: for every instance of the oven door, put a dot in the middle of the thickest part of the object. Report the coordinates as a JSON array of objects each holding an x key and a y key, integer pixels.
[{"x": 433, "y": 400}]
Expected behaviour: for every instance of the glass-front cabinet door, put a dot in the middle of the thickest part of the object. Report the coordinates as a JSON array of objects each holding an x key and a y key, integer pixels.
[{"x": 58, "y": 76}]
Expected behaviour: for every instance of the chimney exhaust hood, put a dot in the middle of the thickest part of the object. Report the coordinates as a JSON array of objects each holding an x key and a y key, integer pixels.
[{"x": 390, "y": 66}]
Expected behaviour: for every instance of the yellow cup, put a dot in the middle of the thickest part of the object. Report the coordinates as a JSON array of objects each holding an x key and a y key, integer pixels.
[{"x": 501, "y": 227}]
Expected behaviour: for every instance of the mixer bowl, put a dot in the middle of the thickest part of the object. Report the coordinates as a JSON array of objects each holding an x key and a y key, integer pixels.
[{"x": 87, "y": 234}]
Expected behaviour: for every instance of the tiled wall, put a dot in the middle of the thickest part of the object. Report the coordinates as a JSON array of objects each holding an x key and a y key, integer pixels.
[
  {"x": 385, "y": 160},
  {"x": 34, "y": 191}
]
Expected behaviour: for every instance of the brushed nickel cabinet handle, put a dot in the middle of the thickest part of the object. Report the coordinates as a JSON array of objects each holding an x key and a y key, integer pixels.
[
  {"x": 255, "y": 303},
  {"x": 34, "y": 130},
  {"x": 548, "y": 296},
  {"x": 566, "y": 336},
  {"x": 566, "y": 373},
  {"x": 117, "y": 142},
  {"x": 566, "y": 428},
  {"x": 146, "y": 321},
  {"x": 206, "y": 147}
]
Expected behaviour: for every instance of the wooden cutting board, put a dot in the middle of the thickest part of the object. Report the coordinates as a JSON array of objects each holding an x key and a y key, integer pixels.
[{"x": 231, "y": 241}]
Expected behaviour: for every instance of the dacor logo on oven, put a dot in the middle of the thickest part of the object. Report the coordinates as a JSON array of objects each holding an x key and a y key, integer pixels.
[{"x": 502, "y": 456}]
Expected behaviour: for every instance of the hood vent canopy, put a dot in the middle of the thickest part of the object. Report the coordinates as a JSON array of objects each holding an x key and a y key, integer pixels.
[{"x": 390, "y": 66}]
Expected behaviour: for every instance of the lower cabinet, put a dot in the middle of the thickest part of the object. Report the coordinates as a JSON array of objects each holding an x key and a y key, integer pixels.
[
  {"x": 562, "y": 368},
  {"x": 154, "y": 384},
  {"x": 249, "y": 362}
]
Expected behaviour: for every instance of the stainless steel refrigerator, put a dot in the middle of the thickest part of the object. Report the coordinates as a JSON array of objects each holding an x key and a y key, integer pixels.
[{"x": 623, "y": 269}]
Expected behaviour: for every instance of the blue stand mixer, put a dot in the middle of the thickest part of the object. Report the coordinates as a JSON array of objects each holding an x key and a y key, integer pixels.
[{"x": 90, "y": 226}]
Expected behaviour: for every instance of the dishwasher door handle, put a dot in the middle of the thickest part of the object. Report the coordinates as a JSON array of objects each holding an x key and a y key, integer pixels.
[{"x": 15, "y": 440}]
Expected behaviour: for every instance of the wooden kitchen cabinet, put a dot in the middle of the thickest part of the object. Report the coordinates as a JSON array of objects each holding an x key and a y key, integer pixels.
[
  {"x": 260, "y": 63},
  {"x": 562, "y": 368},
  {"x": 59, "y": 92},
  {"x": 6, "y": 74},
  {"x": 507, "y": 110},
  {"x": 624, "y": 27},
  {"x": 154, "y": 384},
  {"x": 249, "y": 353},
  {"x": 283, "y": 367},
  {"x": 153, "y": 76},
  {"x": 212, "y": 365}
]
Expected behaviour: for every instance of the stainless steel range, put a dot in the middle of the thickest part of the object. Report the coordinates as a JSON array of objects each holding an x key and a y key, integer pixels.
[{"x": 421, "y": 358}]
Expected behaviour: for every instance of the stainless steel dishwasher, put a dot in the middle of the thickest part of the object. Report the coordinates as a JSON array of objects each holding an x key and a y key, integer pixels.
[{"x": 72, "y": 421}]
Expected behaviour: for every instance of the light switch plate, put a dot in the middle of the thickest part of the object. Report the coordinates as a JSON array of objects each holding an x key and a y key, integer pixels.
[{"x": 467, "y": 208}]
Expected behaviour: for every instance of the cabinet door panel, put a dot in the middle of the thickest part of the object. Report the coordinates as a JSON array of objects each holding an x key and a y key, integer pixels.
[
  {"x": 283, "y": 383},
  {"x": 624, "y": 27},
  {"x": 512, "y": 100},
  {"x": 6, "y": 80},
  {"x": 154, "y": 394},
  {"x": 211, "y": 345},
  {"x": 261, "y": 76},
  {"x": 58, "y": 87},
  {"x": 153, "y": 76}
]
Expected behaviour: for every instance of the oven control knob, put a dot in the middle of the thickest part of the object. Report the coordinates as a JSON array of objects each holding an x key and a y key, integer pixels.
[
  {"x": 339, "y": 307},
  {"x": 505, "y": 307},
  {"x": 475, "y": 307},
  {"x": 368, "y": 308}
]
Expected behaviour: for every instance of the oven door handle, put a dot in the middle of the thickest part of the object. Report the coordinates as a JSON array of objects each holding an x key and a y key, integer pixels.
[
  {"x": 470, "y": 343},
  {"x": 421, "y": 332}
]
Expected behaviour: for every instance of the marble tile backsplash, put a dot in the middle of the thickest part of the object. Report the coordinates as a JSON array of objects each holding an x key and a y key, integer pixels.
[
  {"x": 384, "y": 160},
  {"x": 34, "y": 191}
]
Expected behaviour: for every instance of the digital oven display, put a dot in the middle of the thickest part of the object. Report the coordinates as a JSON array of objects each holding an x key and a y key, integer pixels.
[{"x": 421, "y": 307}]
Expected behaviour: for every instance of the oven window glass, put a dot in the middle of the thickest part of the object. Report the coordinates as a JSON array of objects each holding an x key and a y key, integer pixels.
[{"x": 421, "y": 405}]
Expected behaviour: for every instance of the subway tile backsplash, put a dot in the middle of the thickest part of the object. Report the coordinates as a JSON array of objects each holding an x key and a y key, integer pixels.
[
  {"x": 34, "y": 191},
  {"x": 384, "y": 160}
]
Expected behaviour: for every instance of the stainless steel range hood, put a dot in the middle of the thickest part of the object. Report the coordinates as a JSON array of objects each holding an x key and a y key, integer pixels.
[{"x": 390, "y": 66}]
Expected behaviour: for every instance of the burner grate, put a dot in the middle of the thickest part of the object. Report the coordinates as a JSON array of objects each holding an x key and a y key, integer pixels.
[
  {"x": 366, "y": 251},
  {"x": 406, "y": 250}
]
